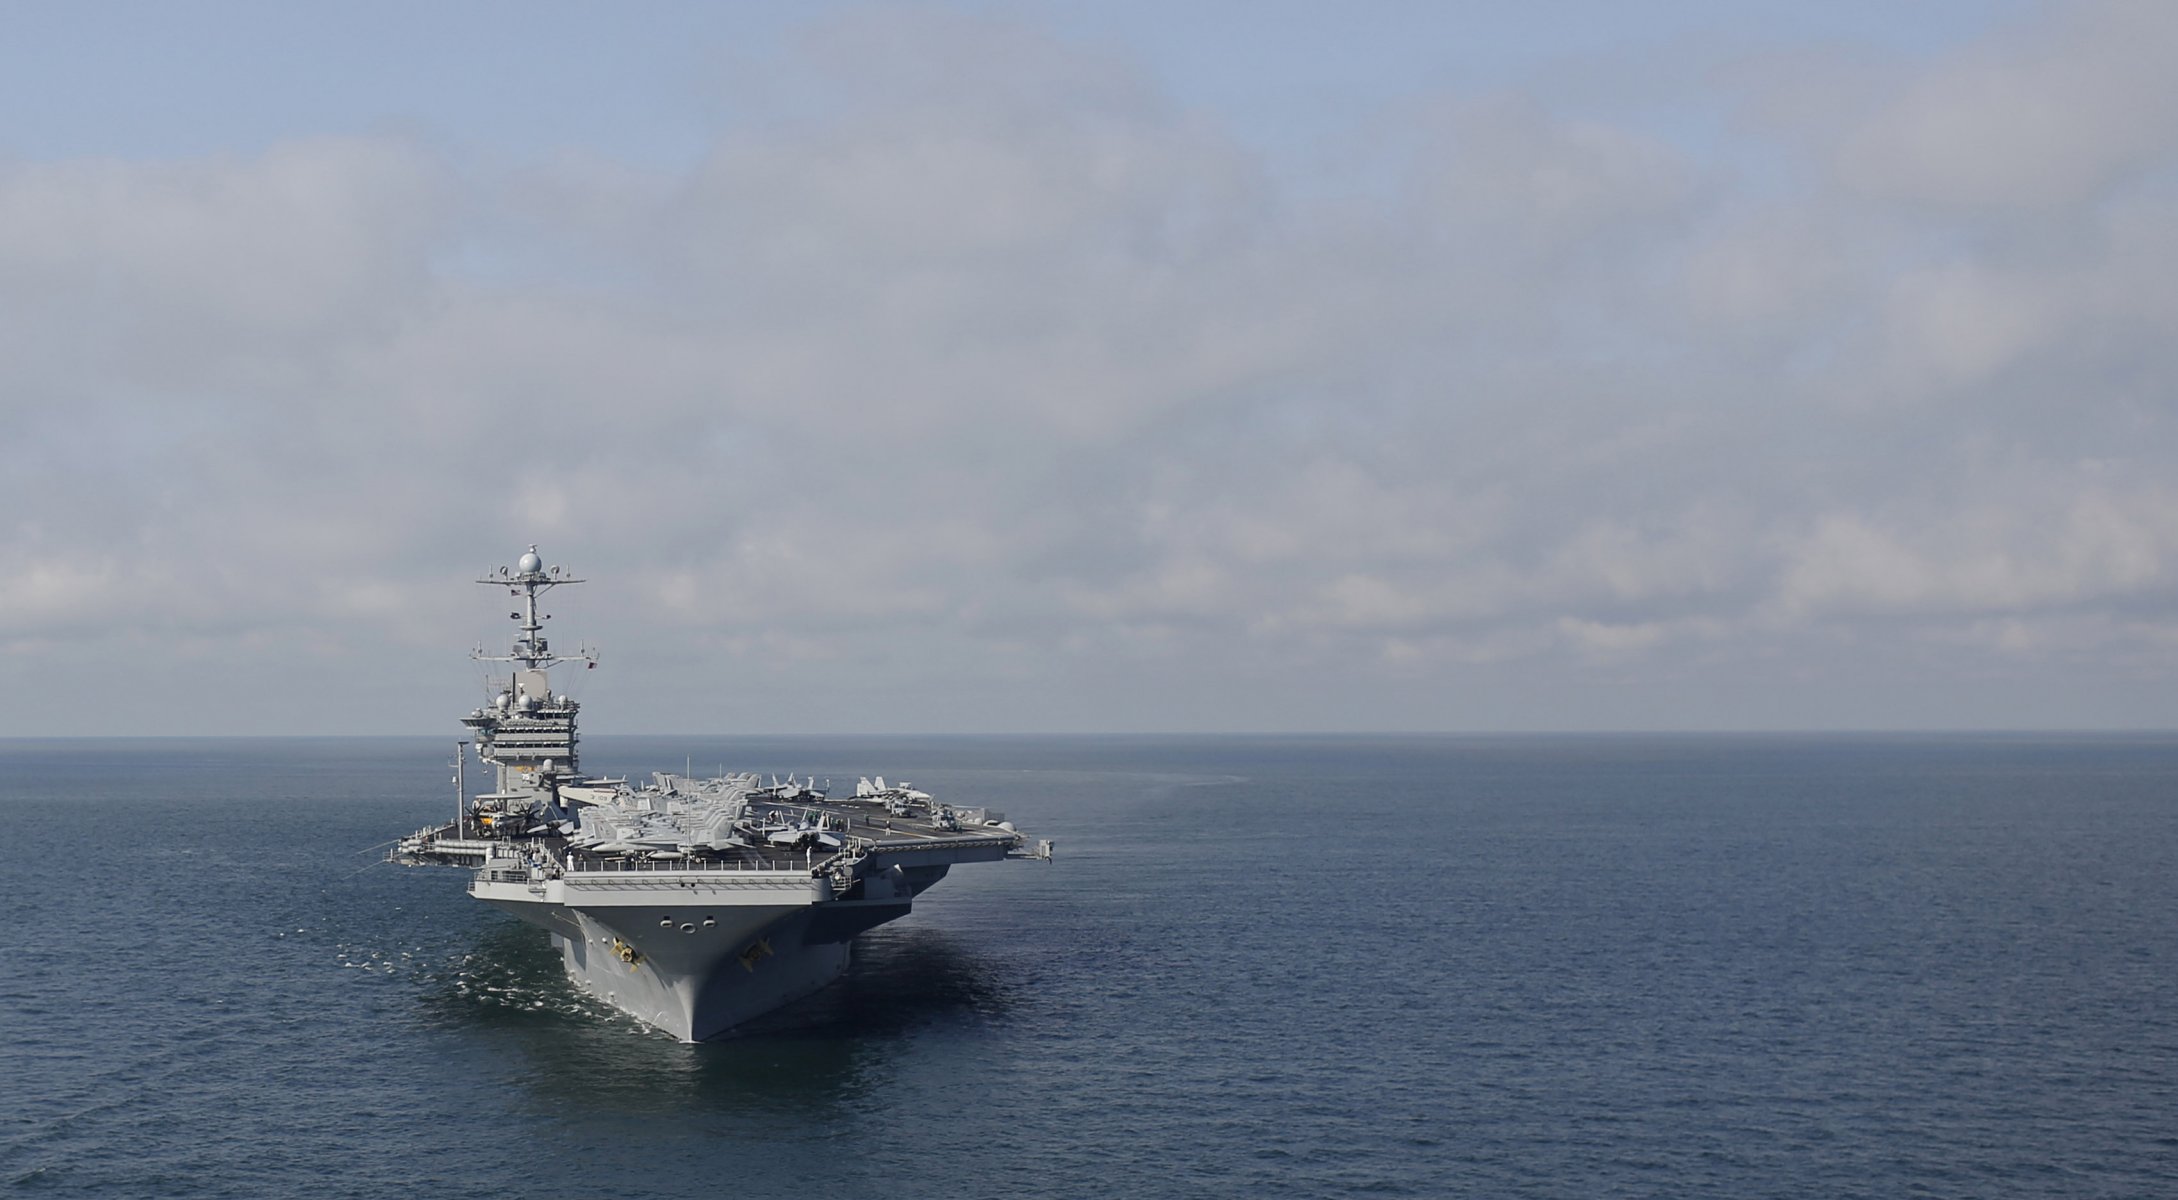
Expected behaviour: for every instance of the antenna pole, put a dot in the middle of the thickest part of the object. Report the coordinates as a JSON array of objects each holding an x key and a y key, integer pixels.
[
  {"x": 530, "y": 581},
  {"x": 461, "y": 786}
]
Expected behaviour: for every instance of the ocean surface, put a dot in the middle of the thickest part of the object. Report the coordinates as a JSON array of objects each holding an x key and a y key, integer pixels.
[{"x": 1414, "y": 966}]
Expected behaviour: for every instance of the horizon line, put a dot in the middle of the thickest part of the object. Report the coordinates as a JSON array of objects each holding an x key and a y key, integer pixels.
[{"x": 1839, "y": 731}]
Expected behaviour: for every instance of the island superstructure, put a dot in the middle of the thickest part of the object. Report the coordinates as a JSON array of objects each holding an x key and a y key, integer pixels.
[{"x": 691, "y": 904}]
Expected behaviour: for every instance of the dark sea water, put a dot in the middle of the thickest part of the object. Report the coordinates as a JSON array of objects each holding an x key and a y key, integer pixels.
[{"x": 1543, "y": 967}]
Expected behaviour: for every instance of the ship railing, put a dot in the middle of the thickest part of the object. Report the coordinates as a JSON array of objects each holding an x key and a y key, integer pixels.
[{"x": 598, "y": 864}]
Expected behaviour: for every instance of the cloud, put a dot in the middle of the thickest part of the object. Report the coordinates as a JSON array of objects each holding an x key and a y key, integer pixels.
[
  {"x": 970, "y": 381},
  {"x": 2043, "y": 115},
  {"x": 211, "y": 271},
  {"x": 2012, "y": 554}
]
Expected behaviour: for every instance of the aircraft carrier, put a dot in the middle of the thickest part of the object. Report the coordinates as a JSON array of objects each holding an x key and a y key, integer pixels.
[{"x": 693, "y": 905}]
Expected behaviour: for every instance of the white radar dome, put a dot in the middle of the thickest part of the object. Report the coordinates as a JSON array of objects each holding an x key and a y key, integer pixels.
[{"x": 530, "y": 563}]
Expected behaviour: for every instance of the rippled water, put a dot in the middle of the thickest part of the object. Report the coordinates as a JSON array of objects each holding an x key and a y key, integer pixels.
[{"x": 1410, "y": 966}]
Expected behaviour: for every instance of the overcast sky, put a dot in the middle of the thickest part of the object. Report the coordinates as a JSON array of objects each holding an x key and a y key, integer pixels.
[{"x": 1053, "y": 366}]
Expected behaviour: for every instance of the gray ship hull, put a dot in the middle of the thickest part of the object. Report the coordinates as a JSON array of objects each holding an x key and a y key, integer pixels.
[{"x": 697, "y": 955}]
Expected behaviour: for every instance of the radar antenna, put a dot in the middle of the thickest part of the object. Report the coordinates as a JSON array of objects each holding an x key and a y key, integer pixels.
[{"x": 529, "y": 579}]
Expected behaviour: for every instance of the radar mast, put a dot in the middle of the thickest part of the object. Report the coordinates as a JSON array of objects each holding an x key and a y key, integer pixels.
[
  {"x": 528, "y": 579},
  {"x": 526, "y": 730}
]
